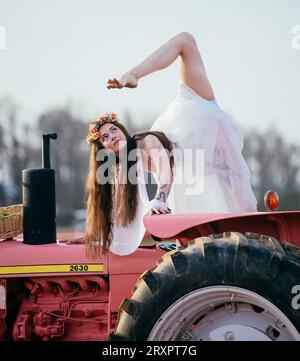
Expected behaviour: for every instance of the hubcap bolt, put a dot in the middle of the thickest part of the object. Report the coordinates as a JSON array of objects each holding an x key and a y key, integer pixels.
[{"x": 229, "y": 336}]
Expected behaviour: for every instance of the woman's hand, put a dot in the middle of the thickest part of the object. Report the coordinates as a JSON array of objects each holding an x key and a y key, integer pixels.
[
  {"x": 128, "y": 80},
  {"x": 158, "y": 207},
  {"x": 76, "y": 240}
]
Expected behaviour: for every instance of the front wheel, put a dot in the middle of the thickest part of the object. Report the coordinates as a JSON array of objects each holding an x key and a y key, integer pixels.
[{"x": 223, "y": 287}]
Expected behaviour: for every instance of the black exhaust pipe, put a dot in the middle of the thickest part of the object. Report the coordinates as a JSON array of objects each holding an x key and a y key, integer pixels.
[{"x": 38, "y": 185}]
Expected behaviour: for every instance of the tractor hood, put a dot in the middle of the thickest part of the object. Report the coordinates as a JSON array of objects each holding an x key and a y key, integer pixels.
[
  {"x": 59, "y": 258},
  {"x": 281, "y": 225},
  {"x": 23, "y": 260}
]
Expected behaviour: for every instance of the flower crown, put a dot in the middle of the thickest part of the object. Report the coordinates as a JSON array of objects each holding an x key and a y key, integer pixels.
[{"x": 94, "y": 134}]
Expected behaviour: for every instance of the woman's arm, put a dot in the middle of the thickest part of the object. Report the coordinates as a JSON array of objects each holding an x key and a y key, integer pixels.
[{"x": 163, "y": 172}]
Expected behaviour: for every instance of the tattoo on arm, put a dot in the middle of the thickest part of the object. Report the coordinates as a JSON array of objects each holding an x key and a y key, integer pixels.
[{"x": 163, "y": 195}]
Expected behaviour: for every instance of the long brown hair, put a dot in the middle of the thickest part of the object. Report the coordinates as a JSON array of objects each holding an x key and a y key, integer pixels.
[{"x": 107, "y": 201}]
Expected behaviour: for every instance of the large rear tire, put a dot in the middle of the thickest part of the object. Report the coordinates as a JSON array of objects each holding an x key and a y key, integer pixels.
[{"x": 224, "y": 287}]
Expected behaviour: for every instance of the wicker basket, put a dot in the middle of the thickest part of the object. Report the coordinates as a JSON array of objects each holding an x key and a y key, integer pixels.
[{"x": 12, "y": 224}]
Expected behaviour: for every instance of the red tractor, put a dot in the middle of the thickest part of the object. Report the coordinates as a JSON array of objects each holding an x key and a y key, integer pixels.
[{"x": 228, "y": 277}]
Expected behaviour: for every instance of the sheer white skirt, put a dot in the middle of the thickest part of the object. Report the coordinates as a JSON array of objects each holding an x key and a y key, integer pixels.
[{"x": 210, "y": 173}]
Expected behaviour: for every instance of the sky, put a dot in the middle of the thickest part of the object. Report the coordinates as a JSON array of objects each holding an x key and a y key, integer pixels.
[{"x": 61, "y": 52}]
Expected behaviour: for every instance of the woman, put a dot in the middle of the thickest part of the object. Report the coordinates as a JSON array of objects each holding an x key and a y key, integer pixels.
[
  {"x": 209, "y": 173},
  {"x": 117, "y": 197}
]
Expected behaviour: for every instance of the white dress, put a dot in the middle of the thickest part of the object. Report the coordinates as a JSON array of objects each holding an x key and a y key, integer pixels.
[{"x": 210, "y": 173}]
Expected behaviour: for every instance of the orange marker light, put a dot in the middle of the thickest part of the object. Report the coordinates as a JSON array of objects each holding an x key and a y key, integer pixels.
[{"x": 271, "y": 200}]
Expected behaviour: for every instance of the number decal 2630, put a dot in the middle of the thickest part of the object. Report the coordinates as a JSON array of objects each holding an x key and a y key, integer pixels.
[{"x": 79, "y": 267}]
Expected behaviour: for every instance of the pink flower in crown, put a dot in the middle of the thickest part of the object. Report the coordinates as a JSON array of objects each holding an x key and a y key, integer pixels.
[
  {"x": 114, "y": 116},
  {"x": 102, "y": 120},
  {"x": 94, "y": 130},
  {"x": 107, "y": 117}
]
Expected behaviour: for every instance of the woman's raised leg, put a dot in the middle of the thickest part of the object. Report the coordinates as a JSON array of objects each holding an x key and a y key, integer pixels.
[{"x": 192, "y": 70}]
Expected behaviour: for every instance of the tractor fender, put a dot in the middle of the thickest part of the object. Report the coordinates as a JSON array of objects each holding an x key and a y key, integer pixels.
[{"x": 281, "y": 225}]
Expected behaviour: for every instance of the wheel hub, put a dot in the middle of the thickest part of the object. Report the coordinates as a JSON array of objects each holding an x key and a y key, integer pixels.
[{"x": 223, "y": 313}]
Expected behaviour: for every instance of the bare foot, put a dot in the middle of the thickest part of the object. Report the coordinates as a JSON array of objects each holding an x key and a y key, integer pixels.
[{"x": 128, "y": 80}]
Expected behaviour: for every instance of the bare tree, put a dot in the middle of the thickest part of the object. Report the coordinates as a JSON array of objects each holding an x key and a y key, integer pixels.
[
  {"x": 275, "y": 164},
  {"x": 69, "y": 157},
  {"x": 13, "y": 153}
]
